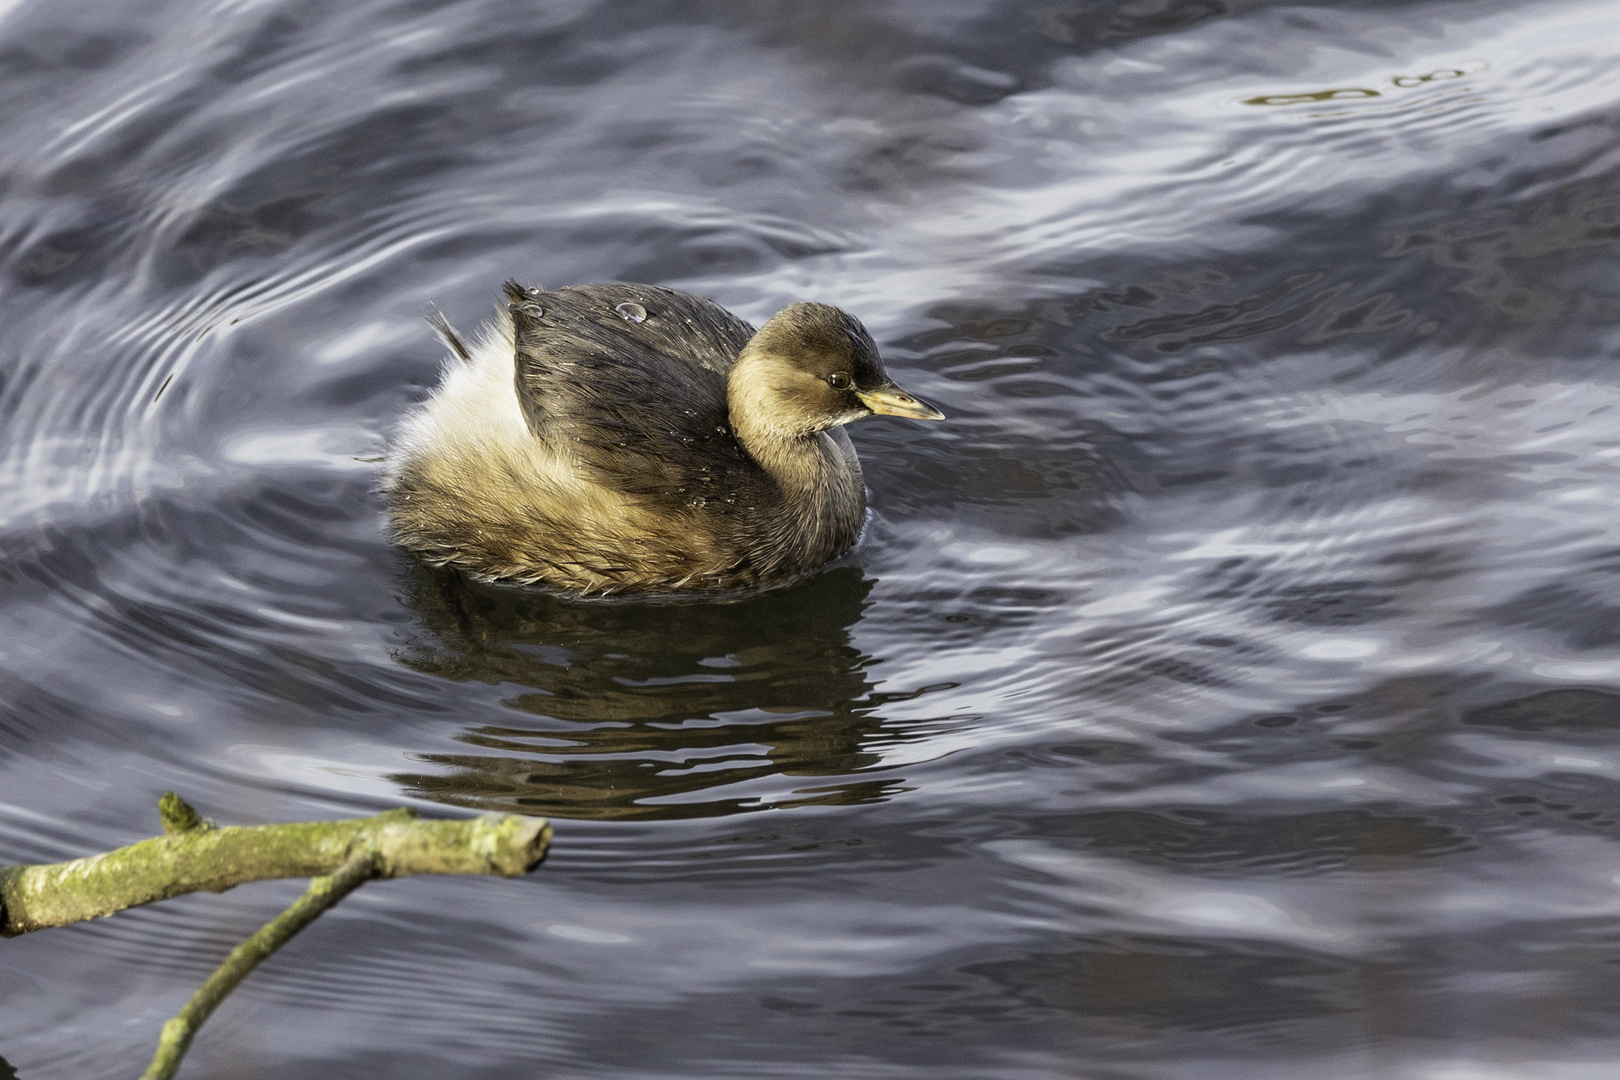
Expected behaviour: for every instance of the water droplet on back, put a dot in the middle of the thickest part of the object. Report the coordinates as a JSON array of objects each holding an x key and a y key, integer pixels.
[
  {"x": 532, "y": 309},
  {"x": 631, "y": 312}
]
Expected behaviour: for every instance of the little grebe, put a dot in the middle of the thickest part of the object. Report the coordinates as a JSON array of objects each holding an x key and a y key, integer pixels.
[{"x": 608, "y": 439}]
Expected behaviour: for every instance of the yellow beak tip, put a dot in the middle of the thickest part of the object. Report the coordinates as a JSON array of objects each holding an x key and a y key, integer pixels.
[{"x": 898, "y": 403}]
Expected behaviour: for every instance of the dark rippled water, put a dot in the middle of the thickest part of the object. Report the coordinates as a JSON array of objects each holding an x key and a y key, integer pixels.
[{"x": 1229, "y": 689}]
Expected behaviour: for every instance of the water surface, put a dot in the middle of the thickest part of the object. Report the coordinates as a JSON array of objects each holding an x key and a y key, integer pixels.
[{"x": 1228, "y": 689}]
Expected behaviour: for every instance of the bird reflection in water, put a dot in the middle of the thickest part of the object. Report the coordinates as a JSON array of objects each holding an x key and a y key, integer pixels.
[{"x": 657, "y": 711}]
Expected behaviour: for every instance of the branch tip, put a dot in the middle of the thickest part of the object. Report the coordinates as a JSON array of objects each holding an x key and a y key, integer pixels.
[{"x": 180, "y": 816}]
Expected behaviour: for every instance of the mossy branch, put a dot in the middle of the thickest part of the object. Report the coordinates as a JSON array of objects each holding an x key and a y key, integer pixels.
[
  {"x": 322, "y": 893},
  {"x": 195, "y": 856}
]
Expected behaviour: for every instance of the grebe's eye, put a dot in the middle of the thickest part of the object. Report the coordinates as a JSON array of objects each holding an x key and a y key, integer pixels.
[{"x": 838, "y": 381}]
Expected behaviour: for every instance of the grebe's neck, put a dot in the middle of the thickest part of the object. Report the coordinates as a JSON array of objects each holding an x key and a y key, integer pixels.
[
  {"x": 816, "y": 470},
  {"x": 788, "y": 443}
]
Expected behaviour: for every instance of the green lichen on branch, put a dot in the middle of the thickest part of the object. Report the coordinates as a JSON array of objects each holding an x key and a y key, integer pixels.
[
  {"x": 179, "y": 816},
  {"x": 195, "y": 856},
  {"x": 322, "y": 894}
]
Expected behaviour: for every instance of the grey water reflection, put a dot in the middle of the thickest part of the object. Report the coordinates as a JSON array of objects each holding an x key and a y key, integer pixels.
[{"x": 656, "y": 711}]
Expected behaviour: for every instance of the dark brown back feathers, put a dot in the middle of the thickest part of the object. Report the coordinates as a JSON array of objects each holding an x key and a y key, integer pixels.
[{"x": 611, "y": 389}]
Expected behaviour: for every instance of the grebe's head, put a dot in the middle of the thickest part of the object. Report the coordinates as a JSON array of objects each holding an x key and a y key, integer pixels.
[{"x": 813, "y": 367}]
